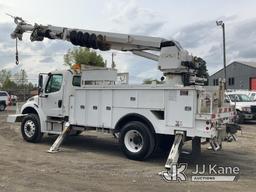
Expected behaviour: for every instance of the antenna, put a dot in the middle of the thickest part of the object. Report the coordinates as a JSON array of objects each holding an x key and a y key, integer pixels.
[
  {"x": 10, "y": 15},
  {"x": 16, "y": 19}
]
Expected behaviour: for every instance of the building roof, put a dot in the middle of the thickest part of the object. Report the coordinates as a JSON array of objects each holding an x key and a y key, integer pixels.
[
  {"x": 248, "y": 63},
  {"x": 251, "y": 64}
]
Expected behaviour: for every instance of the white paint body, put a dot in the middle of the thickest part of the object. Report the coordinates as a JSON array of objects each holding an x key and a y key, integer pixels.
[{"x": 168, "y": 108}]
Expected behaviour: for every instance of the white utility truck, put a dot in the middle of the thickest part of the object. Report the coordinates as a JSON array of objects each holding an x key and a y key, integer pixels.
[{"x": 140, "y": 116}]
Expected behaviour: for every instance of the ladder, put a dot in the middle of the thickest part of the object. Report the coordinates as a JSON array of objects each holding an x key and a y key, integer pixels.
[
  {"x": 175, "y": 150},
  {"x": 56, "y": 145}
]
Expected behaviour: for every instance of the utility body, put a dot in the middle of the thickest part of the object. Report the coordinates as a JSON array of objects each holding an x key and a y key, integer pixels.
[{"x": 142, "y": 117}]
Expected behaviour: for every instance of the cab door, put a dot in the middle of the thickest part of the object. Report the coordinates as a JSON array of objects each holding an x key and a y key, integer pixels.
[{"x": 51, "y": 101}]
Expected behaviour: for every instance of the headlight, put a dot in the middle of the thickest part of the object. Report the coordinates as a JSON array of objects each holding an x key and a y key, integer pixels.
[{"x": 246, "y": 109}]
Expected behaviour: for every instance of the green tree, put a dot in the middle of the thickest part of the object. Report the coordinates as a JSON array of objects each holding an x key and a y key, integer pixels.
[
  {"x": 81, "y": 55},
  {"x": 20, "y": 78},
  {"x": 9, "y": 85},
  {"x": 5, "y": 75},
  {"x": 202, "y": 71}
]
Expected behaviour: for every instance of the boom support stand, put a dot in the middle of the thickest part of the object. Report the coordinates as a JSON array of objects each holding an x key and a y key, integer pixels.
[
  {"x": 55, "y": 147},
  {"x": 175, "y": 150}
]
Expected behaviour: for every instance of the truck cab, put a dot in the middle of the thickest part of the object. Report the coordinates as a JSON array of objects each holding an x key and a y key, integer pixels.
[{"x": 52, "y": 102}]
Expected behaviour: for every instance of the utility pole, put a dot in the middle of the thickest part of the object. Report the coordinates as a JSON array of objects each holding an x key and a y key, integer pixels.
[
  {"x": 222, "y": 24},
  {"x": 23, "y": 83}
]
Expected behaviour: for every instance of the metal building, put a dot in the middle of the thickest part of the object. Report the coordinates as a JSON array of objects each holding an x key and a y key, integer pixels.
[{"x": 240, "y": 75}]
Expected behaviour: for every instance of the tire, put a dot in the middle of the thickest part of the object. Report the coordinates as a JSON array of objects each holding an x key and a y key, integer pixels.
[
  {"x": 240, "y": 118},
  {"x": 31, "y": 129},
  {"x": 136, "y": 140},
  {"x": 2, "y": 106}
]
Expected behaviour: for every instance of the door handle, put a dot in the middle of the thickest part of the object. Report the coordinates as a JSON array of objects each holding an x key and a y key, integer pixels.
[{"x": 59, "y": 103}]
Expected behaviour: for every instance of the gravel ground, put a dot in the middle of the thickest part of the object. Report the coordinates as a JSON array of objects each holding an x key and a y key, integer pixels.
[{"x": 93, "y": 162}]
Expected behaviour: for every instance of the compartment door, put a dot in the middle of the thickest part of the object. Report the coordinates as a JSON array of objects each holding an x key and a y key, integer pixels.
[
  {"x": 106, "y": 108},
  {"x": 180, "y": 109}
]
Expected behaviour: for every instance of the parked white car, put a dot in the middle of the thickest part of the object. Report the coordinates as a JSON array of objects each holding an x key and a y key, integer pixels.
[
  {"x": 250, "y": 93},
  {"x": 4, "y": 100},
  {"x": 245, "y": 107}
]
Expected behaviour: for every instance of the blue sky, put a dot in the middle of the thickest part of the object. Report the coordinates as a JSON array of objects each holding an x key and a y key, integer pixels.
[{"x": 192, "y": 23}]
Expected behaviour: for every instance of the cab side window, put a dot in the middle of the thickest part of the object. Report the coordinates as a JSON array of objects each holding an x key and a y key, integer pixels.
[
  {"x": 54, "y": 83},
  {"x": 76, "y": 81}
]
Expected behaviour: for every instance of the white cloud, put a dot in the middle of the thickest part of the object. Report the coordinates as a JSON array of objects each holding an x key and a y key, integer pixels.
[{"x": 199, "y": 33}]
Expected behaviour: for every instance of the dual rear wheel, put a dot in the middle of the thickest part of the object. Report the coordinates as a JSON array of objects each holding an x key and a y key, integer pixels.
[{"x": 136, "y": 140}]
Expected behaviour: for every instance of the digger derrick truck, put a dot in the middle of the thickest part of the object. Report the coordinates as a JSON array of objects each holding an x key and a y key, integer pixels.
[{"x": 142, "y": 117}]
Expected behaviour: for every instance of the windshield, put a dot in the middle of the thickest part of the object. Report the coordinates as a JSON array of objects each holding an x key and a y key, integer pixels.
[
  {"x": 239, "y": 98},
  {"x": 253, "y": 96}
]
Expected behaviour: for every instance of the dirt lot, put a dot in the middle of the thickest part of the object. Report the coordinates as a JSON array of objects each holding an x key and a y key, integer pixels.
[{"x": 93, "y": 162}]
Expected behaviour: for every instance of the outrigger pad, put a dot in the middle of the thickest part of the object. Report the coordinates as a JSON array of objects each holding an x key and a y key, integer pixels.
[{"x": 232, "y": 128}]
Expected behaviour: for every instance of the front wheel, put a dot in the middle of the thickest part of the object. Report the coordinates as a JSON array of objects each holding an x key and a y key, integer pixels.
[
  {"x": 240, "y": 118},
  {"x": 30, "y": 128},
  {"x": 2, "y": 106},
  {"x": 136, "y": 140}
]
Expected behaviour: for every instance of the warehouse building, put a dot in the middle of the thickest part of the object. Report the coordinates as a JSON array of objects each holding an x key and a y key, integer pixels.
[{"x": 240, "y": 75}]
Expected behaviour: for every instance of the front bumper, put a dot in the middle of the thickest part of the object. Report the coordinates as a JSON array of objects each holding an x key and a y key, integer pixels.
[
  {"x": 249, "y": 116},
  {"x": 15, "y": 118}
]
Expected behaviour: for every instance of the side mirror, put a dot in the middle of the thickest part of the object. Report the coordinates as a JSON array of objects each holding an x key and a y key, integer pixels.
[{"x": 40, "y": 84}]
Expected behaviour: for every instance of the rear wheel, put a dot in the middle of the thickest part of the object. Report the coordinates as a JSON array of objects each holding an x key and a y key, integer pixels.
[
  {"x": 31, "y": 129},
  {"x": 136, "y": 140}
]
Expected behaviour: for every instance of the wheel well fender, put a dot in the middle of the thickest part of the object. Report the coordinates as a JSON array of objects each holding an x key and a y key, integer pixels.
[
  {"x": 133, "y": 117},
  {"x": 2, "y": 102},
  {"x": 28, "y": 110}
]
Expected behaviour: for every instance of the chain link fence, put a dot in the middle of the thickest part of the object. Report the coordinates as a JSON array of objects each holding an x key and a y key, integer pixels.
[{"x": 21, "y": 94}]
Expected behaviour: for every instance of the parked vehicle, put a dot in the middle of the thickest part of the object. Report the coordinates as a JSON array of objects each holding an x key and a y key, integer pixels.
[
  {"x": 140, "y": 116},
  {"x": 14, "y": 99},
  {"x": 245, "y": 107},
  {"x": 4, "y": 100},
  {"x": 250, "y": 93}
]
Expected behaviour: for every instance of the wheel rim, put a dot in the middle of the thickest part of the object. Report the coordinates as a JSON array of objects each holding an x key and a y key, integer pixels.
[
  {"x": 29, "y": 128},
  {"x": 133, "y": 141},
  {"x": 1, "y": 107}
]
